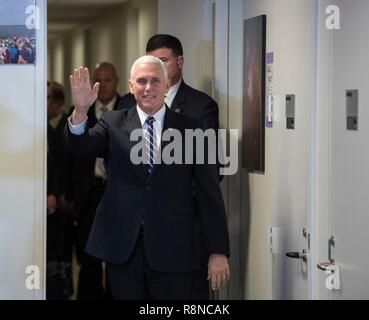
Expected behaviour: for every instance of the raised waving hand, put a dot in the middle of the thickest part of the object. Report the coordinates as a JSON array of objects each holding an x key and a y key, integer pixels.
[{"x": 83, "y": 95}]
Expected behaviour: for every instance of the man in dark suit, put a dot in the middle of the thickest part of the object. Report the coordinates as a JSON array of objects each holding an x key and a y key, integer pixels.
[
  {"x": 60, "y": 164},
  {"x": 56, "y": 122},
  {"x": 144, "y": 228},
  {"x": 183, "y": 99},
  {"x": 89, "y": 181},
  {"x": 59, "y": 218}
]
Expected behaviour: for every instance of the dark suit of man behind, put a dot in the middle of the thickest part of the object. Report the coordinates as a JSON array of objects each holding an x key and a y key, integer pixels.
[
  {"x": 135, "y": 200},
  {"x": 60, "y": 235}
]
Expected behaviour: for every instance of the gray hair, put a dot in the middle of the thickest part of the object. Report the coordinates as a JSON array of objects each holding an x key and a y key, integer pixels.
[{"x": 150, "y": 59}]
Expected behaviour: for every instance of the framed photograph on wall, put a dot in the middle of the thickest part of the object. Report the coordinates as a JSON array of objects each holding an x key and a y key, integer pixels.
[
  {"x": 18, "y": 22},
  {"x": 253, "y": 111}
]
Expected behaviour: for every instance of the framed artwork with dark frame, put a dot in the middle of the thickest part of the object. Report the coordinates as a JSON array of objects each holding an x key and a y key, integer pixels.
[{"x": 253, "y": 111}]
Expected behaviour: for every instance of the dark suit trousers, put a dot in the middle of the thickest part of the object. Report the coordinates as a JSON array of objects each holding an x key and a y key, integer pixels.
[
  {"x": 200, "y": 289},
  {"x": 135, "y": 280},
  {"x": 90, "y": 278}
]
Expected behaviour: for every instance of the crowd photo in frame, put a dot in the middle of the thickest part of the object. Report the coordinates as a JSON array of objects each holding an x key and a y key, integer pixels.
[{"x": 17, "y": 32}]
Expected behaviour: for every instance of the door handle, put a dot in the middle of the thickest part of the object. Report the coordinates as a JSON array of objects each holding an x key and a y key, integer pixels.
[
  {"x": 325, "y": 266},
  {"x": 298, "y": 255},
  {"x": 333, "y": 280}
]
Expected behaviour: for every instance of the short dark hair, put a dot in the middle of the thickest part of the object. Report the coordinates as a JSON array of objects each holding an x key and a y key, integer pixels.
[
  {"x": 57, "y": 91},
  {"x": 160, "y": 41}
]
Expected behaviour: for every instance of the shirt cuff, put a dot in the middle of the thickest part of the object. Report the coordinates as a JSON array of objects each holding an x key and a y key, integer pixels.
[{"x": 77, "y": 129}]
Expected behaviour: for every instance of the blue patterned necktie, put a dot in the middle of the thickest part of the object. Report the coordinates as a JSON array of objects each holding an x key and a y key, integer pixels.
[{"x": 150, "y": 143}]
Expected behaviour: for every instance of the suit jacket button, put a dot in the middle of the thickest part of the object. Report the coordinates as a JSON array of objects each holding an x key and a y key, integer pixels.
[{"x": 148, "y": 188}]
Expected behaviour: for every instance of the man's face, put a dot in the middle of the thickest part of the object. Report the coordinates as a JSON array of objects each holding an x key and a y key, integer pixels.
[
  {"x": 174, "y": 64},
  {"x": 149, "y": 87},
  {"x": 108, "y": 84},
  {"x": 53, "y": 107}
]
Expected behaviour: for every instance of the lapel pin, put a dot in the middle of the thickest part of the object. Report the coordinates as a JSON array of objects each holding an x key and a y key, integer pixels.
[{"x": 178, "y": 110}]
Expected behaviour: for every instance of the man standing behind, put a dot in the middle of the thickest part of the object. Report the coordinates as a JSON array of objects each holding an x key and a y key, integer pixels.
[
  {"x": 89, "y": 185},
  {"x": 144, "y": 228},
  {"x": 183, "y": 99},
  {"x": 59, "y": 205},
  {"x": 56, "y": 123}
]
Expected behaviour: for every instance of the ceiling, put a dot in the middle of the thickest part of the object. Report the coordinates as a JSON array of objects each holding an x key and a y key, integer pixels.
[{"x": 65, "y": 15}]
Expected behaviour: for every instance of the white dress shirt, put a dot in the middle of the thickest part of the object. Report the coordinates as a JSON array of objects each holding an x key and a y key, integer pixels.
[
  {"x": 99, "y": 105},
  {"x": 157, "y": 124},
  {"x": 169, "y": 97}
]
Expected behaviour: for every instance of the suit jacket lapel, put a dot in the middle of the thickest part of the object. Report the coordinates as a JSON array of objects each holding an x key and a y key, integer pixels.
[
  {"x": 91, "y": 114},
  {"x": 179, "y": 99},
  {"x": 116, "y": 104},
  {"x": 132, "y": 121},
  {"x": 168, "y": 123}
]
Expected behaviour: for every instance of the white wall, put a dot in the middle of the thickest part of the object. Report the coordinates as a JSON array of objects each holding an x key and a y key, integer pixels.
[
  {"x": 191, "y": 22},
  {"x": 344, "y": 164},
  {"x": 58, "y": 62},
  {"x": 280, "y": 195},
  {"x": 22, "y": 171},
  {"x": 78, "y": 48},
  {"x": 254, "y": 215},
  {"x": 323, "y": 125}
]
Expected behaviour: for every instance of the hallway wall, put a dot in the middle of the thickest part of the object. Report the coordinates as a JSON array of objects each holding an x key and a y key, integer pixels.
[
  {"x": 279, "y": 197},
  {"x": 191, "y": 22},
  {"x": 23, "y": 173},
  {"x": 342, "y": 158}
]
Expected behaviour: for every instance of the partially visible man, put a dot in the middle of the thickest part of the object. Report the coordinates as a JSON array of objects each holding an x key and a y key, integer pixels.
[
  {"x": 59, "y": 205},
  {"x": 61, "y": 161},
  {"x": 89, "y": 181},
  {"x": 183, "y": 99},
  {"x": 144, "y": 227}
]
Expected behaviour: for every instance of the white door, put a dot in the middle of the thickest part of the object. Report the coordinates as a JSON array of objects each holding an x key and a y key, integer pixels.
[
  {"x": 291, "y": 41},
  {"x": 346, "y": 192}
]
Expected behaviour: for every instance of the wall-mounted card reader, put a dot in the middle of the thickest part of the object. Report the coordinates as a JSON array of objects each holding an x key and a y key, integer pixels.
[
  {"x": 352, "y": 109},
  {"x": 290, "y": 111}
]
